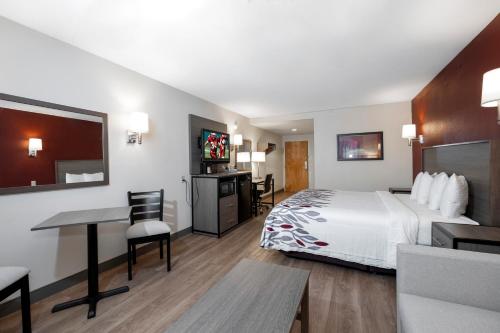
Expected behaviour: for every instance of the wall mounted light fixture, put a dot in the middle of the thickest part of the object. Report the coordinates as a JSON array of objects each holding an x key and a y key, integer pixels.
[
  {"x": 34, "y": 145},
  {"x": 410, "y": 133},
  {"x": 490, "y": 96},
  {"x": 138, "y": 125}
]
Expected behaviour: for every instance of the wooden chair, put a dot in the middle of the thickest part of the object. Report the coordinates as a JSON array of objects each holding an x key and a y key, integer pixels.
[
  {"x": 265, "y": 188},
  {"x": 148, "y": 208},
  {"x": 13, "y": 279}
]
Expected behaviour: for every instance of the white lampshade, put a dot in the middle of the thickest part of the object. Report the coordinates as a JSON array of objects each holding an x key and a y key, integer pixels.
[
  {"x": 258, "y": 156},
  {"x": 409, "y": 131},
  {"x": 139, "y": 122},
  {"x": 35, "y": 144},
  {"x": 243, "y": 157},
  {"x": 237, "y": 139},
  {"x": 491, "y": 88}
]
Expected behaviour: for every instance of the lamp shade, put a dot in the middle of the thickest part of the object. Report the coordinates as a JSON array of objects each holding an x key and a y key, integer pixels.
[
  {"x": 35, "y": 144},
  {"x": 491, "y": 88},
  {"x": 243, "y": 157},
  {"x": 258, "y": 156},
  {"x": 237, "y": 139},
  {"x": 409, "y": 131},
  {"x": 139, "y": 122}
]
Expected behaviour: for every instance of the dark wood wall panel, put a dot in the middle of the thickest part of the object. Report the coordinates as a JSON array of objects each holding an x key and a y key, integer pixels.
[{"x": 448, "y": 109}]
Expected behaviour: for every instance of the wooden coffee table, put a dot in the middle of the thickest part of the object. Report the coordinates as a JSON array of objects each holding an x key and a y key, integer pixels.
[{"x": 253, "y": 297}]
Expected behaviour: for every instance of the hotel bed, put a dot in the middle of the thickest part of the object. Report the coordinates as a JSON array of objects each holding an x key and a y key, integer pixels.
[
  {"x": 359, "y": 227},
  {"x": 362, "y": 229}
]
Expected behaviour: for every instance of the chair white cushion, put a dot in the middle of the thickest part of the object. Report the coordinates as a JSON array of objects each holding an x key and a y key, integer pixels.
[
  {"x": 147, "y": 228},
  {"x": 437, "y": 189},
  {"x": 424, "y": 189},
  {"x": 455, "y": 197},
  {"x": 10, "y": 274},
  {"x": 416, "y": 185}
]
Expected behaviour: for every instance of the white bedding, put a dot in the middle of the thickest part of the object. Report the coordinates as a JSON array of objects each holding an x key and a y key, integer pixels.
[
  {"x": 361, "y": 227},
  {"x": 426, "y": 216}
]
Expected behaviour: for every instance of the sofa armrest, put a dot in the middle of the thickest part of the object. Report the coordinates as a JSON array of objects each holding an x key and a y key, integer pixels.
[{"x": 463, "y": 277}]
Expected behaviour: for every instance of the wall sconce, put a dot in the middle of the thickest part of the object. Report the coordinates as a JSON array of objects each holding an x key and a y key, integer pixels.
[
  {"x": 491, "y": 91},
  {"x": 138, "y": 124},
  {"x": 34, "y": 145},
  {"x": 410, "y": 132}
]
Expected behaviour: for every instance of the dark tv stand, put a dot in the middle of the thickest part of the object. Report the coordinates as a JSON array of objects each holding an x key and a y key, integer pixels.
[{"x": 214, "y": 215}]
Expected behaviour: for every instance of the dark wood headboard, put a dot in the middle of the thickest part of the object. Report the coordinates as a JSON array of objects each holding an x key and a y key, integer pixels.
[{"x": 478, "y": 162}]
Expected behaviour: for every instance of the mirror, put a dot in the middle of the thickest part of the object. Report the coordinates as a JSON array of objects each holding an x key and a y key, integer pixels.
[{"x": 46, "y": 146}]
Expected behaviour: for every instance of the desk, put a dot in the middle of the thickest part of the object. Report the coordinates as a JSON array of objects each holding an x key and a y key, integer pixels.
[
  {"x": 255, "y": 183},
  {"x": 91, "y": 218}
]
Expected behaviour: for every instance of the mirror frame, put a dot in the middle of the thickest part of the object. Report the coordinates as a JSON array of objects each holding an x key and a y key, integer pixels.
[{"x": 53, "y": 187}]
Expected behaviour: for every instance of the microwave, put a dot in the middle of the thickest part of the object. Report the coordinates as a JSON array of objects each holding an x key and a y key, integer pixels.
[{"x": 227, "y": 188}]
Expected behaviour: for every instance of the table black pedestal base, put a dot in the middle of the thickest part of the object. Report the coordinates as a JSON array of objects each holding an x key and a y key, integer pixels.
[
  {"x": 91, "y": 301},
  {"x": 94, "y": 295}
]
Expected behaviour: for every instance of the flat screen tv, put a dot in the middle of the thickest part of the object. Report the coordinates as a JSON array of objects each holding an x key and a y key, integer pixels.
[{"x": 214, "y": 146}]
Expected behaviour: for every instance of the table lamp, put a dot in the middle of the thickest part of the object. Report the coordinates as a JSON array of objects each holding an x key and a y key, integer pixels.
[{"x": 258, "y": 157}]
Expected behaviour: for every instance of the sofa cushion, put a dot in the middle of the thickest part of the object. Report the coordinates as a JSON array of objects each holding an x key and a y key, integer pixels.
[{"x": 422, "y": 314}]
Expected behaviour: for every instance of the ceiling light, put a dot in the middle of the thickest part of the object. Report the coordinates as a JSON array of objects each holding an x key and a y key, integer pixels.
[{"x": 294, "y": 130}]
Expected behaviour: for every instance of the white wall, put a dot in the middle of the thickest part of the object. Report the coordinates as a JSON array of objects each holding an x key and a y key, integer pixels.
[
  {"x": 310, "y": 147},
  {"x": 394, "y": 170},
  {"x": 36, "y": 66}
]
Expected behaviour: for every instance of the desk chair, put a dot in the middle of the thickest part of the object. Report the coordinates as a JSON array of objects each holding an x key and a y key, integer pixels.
[
  {"x": 148, "y": 208},
  {"x": 265, "y": 188},
  {"x": 13, "y": 279}
]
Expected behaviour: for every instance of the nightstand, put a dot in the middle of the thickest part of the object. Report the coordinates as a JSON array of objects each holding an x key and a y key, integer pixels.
[
  {"x": 406, "y": 190},
  {"x": 466, "y": 237}
]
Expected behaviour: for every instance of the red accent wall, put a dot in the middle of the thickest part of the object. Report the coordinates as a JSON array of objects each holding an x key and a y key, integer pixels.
[
  {"x": 63, "y": 139},
  {"x": 448, "y": 109}
]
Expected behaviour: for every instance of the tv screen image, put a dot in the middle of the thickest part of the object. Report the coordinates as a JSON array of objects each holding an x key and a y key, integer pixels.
[{"x": 215, "y": 146}]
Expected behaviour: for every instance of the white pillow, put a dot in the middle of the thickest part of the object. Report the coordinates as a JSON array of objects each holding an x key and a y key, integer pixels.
[
  {"x": 74, "y": 178},
  {"x": 416, "y": 184},
  {"x": 455, "y": 197},
  {"x": 424, "y": 189},
  {"x": 437, "y": 189},
  {"x": 93, "y": 177}
]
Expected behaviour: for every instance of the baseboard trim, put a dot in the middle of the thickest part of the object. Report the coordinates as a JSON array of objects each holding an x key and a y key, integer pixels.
[{"x": 57, "y": 286}]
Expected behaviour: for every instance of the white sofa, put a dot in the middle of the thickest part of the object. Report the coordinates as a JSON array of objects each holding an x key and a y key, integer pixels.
[{"x": 444, "y": 290}]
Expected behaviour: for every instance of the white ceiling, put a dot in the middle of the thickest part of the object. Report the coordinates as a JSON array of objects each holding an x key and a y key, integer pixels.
[
  {"x": 285, "y": 126},
  {"x": 268, "y": 57}
]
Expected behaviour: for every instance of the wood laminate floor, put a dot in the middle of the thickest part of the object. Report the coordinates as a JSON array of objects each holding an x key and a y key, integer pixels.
[{"x": 341, "y": 299}]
